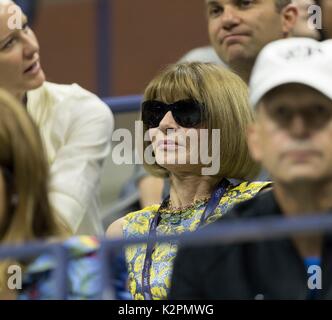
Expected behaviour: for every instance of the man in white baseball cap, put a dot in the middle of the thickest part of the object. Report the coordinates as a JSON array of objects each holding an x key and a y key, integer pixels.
[
  {"x": 292, "y": 138},
  {"x": 295, "y": 60},
  {"x": 290, "y": 89}
]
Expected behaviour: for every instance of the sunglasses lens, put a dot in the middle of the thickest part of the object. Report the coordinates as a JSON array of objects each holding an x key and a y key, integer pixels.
[
  {"x": 152, "y": 113},
  {"x": 187, "y": 113}
]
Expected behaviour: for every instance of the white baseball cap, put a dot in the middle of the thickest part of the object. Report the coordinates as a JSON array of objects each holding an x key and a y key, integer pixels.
[{"x": 292, "y": 60}]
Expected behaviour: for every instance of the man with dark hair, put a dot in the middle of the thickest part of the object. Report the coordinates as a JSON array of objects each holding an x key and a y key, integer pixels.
[
  {"x": 292, "y": 138},
  {"x": 239, "y": 29}
]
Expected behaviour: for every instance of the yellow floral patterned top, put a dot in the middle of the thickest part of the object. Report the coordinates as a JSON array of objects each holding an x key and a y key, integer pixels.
[{"x": 138, "y": 224}]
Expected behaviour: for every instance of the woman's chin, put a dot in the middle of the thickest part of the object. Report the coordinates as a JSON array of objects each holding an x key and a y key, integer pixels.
[{"x": 36, "y": 82}]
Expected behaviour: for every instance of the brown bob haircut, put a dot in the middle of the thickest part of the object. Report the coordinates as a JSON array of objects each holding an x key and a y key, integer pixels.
[{"x": 226, "y": 107}]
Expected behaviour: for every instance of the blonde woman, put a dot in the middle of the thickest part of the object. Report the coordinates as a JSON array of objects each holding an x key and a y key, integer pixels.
[
  {"x": 26, "y": 215},
  {"x": 74, "y": 124},
  {"x": 186, "y": 98}
]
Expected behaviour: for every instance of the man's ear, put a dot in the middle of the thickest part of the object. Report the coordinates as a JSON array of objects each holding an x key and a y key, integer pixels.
[
  {"x": 289, "y": 16},
  {"x": 254, "y": 142}
]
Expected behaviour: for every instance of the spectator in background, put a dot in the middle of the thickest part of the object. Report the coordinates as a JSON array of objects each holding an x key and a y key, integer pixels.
[
  {"x": 74, "y": 124},
  {"x": 188, "y": 97},
  {"x": 292, "y": 138},
  {"x": 302, "y": 28},
  {"x": 239, "y": 30}
]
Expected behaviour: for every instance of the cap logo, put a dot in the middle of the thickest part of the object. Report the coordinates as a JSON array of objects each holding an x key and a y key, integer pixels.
[{"x": 301, "y": 52}]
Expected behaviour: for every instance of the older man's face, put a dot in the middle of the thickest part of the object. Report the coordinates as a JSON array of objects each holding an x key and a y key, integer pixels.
[
  {"x": 239, "y": 29},
  {"x": 292, "y": 136}
]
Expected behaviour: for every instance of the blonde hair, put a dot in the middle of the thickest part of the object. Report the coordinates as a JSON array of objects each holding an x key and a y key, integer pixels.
[
  {"x": 27, "y": 215},
  {"x": 225, "y": 99}
]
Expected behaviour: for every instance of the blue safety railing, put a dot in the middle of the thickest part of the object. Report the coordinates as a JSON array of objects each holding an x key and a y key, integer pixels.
[
  {"x": 243, "y": 230},
  {"x": 124, "y": 103}
]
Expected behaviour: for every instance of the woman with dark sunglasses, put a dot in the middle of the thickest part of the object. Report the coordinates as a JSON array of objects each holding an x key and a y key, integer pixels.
[{"x": 180, "y": 103}]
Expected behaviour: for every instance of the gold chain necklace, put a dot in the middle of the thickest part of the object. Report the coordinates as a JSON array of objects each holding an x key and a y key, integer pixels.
[{"x": 194, "y": 205}]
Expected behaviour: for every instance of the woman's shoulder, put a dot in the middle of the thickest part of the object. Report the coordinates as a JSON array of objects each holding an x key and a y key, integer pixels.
[
  {"x": 67, "y": 96},
  {"x": 251, "y": 187},
  {"x": 138, "y": 222},
  {"x": 147, "y": 212},
  {"x": 133, "y": 222}
]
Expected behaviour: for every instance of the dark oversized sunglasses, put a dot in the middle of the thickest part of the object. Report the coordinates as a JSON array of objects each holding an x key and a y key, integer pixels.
[{"x": 187, "y": 113}]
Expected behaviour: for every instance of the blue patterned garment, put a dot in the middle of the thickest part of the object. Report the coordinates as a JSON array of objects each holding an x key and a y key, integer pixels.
[
  {"x": 137, "y": 224},
  {"x": 84, "y": 276}
]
